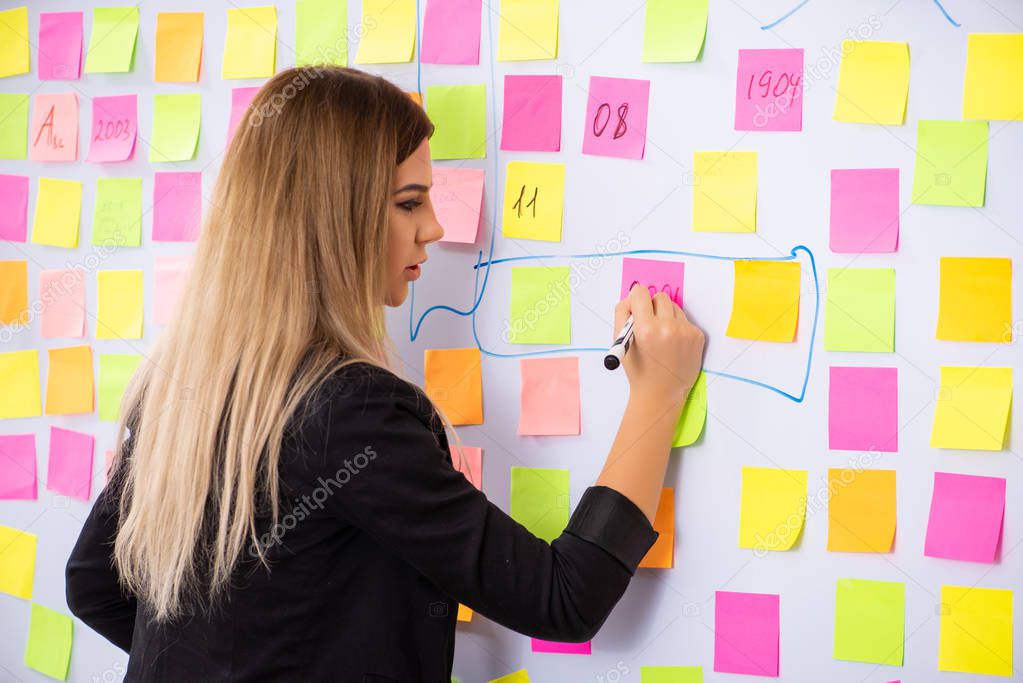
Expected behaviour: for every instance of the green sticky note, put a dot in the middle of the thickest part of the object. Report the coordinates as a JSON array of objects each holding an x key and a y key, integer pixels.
[
  {"x": 115, "y": 371},
  {"x": 674, "y": 30},
  {"x": 14, "y": 42},
  {"x": 13, "y": 126},
  {"x": 459, "y": 115},
  {"x": 860, "y": 311},
  {"x": 870, "y": 621},
  {"x": 539, "y": 500},
  {"x": 951, "y": 163},
  {"x": 694, "y": 414},
  {"x": 321, "y": 32},
  {"x": 176, "y": 122},
  {"x": 117, "y": 218},
  {"x": 112, "y": 44},
  {"x": 540, "y": 306},
  {"x": 49, "y": 642},
  {"x": 671, "y": 674}
]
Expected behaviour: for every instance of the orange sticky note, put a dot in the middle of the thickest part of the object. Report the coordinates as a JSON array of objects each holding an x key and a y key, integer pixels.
[
  {"x": 178, "y": 46},
  {"x": 69, "y": 383},
  {"x": 53, "y": 135},
  {"x": 470, "y": 463},
  {"x": 662, "y": 553},
  {"x": 861, "y": 510},
  {"x": 19, "y": 377},
  {"x": 464, "y": 613},
  {"x": 454, "y": 384},
  {"x": 14, "y": 293},
  {"x": 550, "y": 396}
]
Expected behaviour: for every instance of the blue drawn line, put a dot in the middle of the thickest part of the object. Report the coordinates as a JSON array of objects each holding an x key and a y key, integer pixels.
[
  {"x": 947, "y": 15},
  {"x": 767, "y": 27}
]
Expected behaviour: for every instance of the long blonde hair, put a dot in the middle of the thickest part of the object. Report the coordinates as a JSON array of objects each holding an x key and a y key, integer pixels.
[{"x": 287, "y": 284}]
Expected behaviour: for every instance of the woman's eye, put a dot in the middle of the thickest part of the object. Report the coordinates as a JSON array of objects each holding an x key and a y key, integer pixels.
[{"x": 410, "y": 204}]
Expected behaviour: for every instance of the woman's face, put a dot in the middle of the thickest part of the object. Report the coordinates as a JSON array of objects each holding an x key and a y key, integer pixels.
[{"x": 413, "y": 224}]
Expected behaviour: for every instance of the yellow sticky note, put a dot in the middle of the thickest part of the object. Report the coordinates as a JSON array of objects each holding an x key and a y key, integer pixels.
[
  {"x": 119, "y": 314},
  {"x": 972, "y": 408},
  {"x": 250, "y": 49},
  {"x": 662, "y": 553},
  {"x": 528, "y": 29},
  {"x": 873, "y": 82},
  {"x": 69, "y": 383},
  {"x": 994, "y": 77},
  {"x": 725, "y": 192},
  {"x": 975, "y": 300},
  {"x": 454, "y": 383},
  {"x": 520, "y": 676},
  {"x": 765, "y": 301},
  {"x": 464, "y": 613},
  {"x": 975, "y": 635},
  {"x": 14, "y": 293},
  {"x": 178, "y": 46},
  {"x": 389, "y": 36},
  {"x": 861, "y": 510},
  {"x": 534, "y": 195},
  {"x": 17, "y": 562},
  {"x": 19, "y": 377},
  {"x": 772, "y": 509},
  {"x": 58, "y": 211},
  {"x": 14, "y": 42}
]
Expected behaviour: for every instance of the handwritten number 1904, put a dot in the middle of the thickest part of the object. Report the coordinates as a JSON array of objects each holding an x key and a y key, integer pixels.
[{"x": 773, "y": 87}]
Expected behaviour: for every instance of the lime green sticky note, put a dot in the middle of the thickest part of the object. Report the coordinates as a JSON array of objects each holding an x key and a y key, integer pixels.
[
  {"x": 13, "y": 126},
  {"x": 19, "y": 377},
  {"x": 17, "y": 562},
  {"x": 860, "y": 311},
  {"x": 58, "y": 212},
  {"x": 540, "y": 305},
  {"x": 115, "y": 371},
  {"x": 534, "y": 195},
  {"x": 539, "y": 500},
  {"x": 49, "y": 642},
  {"x": 14, "y": 42},
  {"x": 975, "y": 635},
  {"x": 321, "y": 32},
  {"x": 112, "y": 44},
  {"x": 951, "y": 163},
  {"x": 119, "y": 314},
  {"x": 117, "y": 218},
  {"x": 694, "y": 414},
  {"x": 674, "y": 30},
  {"x": 177, "y": 119},
  {"x": 870, "y": 621},
  {"x": 459, "y": 113},
  {"x": 993, "y": 88},
  {"x": 671, "y": 674}
]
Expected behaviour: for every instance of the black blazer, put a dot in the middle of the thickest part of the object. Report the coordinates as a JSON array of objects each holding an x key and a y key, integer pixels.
[{"x": 379, "y": 540}]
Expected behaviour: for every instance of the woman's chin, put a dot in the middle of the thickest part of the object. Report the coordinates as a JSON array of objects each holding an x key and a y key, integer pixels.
[{"x": 397, "y": 297}]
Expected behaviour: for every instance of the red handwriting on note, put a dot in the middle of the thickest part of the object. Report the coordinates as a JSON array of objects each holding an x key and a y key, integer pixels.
[
  {"x": 114, "y": 128},
  {"x": 656, "y": 276},
  {"x": 769, "y": 90},
  {"x": 53, "y": 135},
  {"x": 616, "y": 117}
]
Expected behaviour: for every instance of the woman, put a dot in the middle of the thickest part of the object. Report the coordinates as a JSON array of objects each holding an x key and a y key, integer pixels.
[{"x": 285, "y": 507}]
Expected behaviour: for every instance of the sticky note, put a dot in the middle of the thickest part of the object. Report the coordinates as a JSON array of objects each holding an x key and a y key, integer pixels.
[
  {"x": 178, "y": 47},
  {"x": 469, "y": 463},
  {"x": 457, "y": 198},
  {"x": 539, "y": 500},
  {"x": 972, "y": 409},
  {"x": 860, "y": 310},
  {"x": 112, "y": 44},
  {"x": 14, "y": 42},
  {"x": 993, "y": 88},
  {"x": 870, "y": 621},
  {"x": 520, "y": 676},
  {"x": 14, "y": 199},
  {"x": 69, "y": 384},
  {"x": 534, "y": 196},
  {"x": 528, "y": 29},
  {"x": 119, "y": 314},
  {"x": 454, "y": 383},
  {"x": 177, "y": 206},
  {"x": 772, "y": 509},
  {"x": 17, "y": 562},
  {"x": 673, "y": 30},
  {"x": 115, "y": 124},
  {"x": 60, "y": 46},
  {"x": 13, "y": 126},
  {"x": 863, "y": 409},
  {"x": 176, "y": 122},
  {"x": 459, "y": 114},
  {"x": 725, "y": 192},
  {"x": 451, "y": 32},
  {"x": 864, "y": 210},
  {"x": 57, "y": 214},
  {"x": 171, "y": 275},
  {"x": 54, "y": 130},
  {"x": 694, "y": 414},
  {"x": 861, "y": 510},
  {"x": 873, "y": 82},
  {"x": 975, "y": 635},
  {"x": 975, "y": 299},
  {"x": 549, "y": 646},
  {"x": 951, "y": 163},
  {"x": 662, "y": 553},
  {"x": 117, "y": 213},
  {"x": 241, "y": 98},
  {"x": 250, "y": 48},
  {"x": 540, "y": 306},
  {"x": 765, "y": 301},
  {"x": 965, "y": 521},
  {"x": 532, "y": 113},
  {"x": 616, "y": 117},
  {"x": 69, "y": 471},
  {"x": 50, "y": 635},
  {"x": 549, "y": 398},
  {"x": 746, "y": 633},
  {"x": 769, "y": 90},
  {"x": 321, "y": 32},
  {"x": 18, "y": 467},
  {"x": 14, "y": 293},
  {"x": 656, "y": 275},
  {"x": 389, "y": 32},
  {"x": 464, "y": 613},
  {"x": 115, "y": 371},
  {"x": 62, "y": 292}
]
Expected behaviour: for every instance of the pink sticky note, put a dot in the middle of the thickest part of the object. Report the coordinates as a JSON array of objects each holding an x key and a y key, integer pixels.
[
  {"x": 550, "y": 396},
  {"x": 53, "y": 133},
  {"x": 241, "y": 98},
  {"x": 746, "y": 631},
  {"x": 769, "y": 90},
  {"x": 177, "y": 206},
  {"x": 966, "y": 517},
  {"x": 14, "y": 200},
  {"x": 60, "y": 46},
  {"x": 171, "y": 274},
  {"x": 115, "y": 124},
  {"x": 18, "y": 467},
  {"x": 864, "y": 210},
  {"x": 62, "y": 293},
  {"x": 451, "y": 32},
  {"x": 616, "y": 116},
  {"x": 656, "y": 276},
  {"x": 532, "y": 113},
  {"x": 457, "y": 197},
  {"x": 863, "y": 409},
  {"x": 550, "y": 646},
  {"x": 471, "y": 464},
  {"x": 70, "y": 469}
]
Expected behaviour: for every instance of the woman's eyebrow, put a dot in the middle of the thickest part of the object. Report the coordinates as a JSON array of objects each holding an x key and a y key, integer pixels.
[{"x": 413, "y": 186}]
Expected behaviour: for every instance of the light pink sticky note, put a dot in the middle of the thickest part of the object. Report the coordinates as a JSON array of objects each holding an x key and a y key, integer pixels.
[
  {"x": 451, "y": 32},
  {"x": 14, "y": 200},
  {"x": 53, "y": 133},
  {"x": 62, "y": 293},
  {"x": 966, "y": 517},
  {"x": 550, "y": 396},
  {"x": 769, "y": 90},
  {"x": 241, "y": 98},
  {"x": 532, "y": 113},
  {"x": 171, "y": 274},
  {"x": 60, "y": 46},
  {"x": 863, "y": 409},
  {"x": 616, "y": 117},
  {"x": 457, "y": 197},
  {"x": 18, "y": 467},
  {"x": 115, "y": 125},
  {"x": 746, "y": 633},
  {"x": 864, "y": 210},
  {"x": 471, "y": 464},
  {"x": 108, "y": 461},
  {"x": 177, "y": 206},
  {"x": 70, "y": 469},
  {"x": 550, "y": 646},
  {"x": 656, "y": 276}
]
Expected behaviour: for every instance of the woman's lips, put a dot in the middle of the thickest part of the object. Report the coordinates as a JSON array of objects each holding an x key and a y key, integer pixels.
[{"x": 413, "y": 272}]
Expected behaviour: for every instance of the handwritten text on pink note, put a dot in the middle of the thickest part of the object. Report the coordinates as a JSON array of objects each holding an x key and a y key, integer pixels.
[
  {"x": 864, "y": 210},
  {"x": 60, "y": 46},
  {"x": 550, "y": 396},
  {"x": 53, "y": 134},
  {"x": 115, "y": 124},
  {"x": 451, "y": 32},
  {"x": 863, "y": 409},
  {"x": 241, "y": 98},
  {"x": 457, "y": 196},
  {"x": 177, "y": 206},
  {"x": 966, "y": 516},
  {"x": 14, "y": 200},
  {"x": 616, "y": 117},
  {"x": 532, "y": 113},
  {"x": 769, "y": 90},
  {"x": 746, "y": 630},
  {"x": 471, "y": 464},
  {"x": 70, "y": 469},
  {"x": 62, "y": 292},
  {"x": 550, "y": 646},
  {"x": 18, "y": 467},
  {"x": 656, "y": 276}
]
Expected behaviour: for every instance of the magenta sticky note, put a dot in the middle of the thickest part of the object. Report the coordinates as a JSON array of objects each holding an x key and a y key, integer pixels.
[
  {"x": 656, "y": 276},
  {"x": 532, "y": 113},
  {"x": 171, "y": 274},
  {"x": 241, "y": 98},
  {"x": 70, "y": 470},
  {"x": 966, "y": 517},
  {"x": 14, "y": 200},
  {"x": 115, "y": 125},
  {"x": 616, "y": 117},
  {"x": 451, "y": 31},
  {"x": 53, "y": 131},
  {"x": 550, "y": 646},
  {"x": 457, "y": 197},
  {"x": 470, "y": 464},
  {"x": 60, "y": 46},
  {"x": 177, "y": 206},
  {"x": 18, "y": 467},
  {"x": 746, "y": 633},
  {"x": 769, "y": 90},
  {"x": 62, "y": 297},
  {"x": 864, "y": 210},
  {"x": 863, "y": 409}
]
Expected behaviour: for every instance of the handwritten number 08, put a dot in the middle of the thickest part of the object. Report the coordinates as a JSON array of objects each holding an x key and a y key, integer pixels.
[{"x": 604, "y": 112}]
